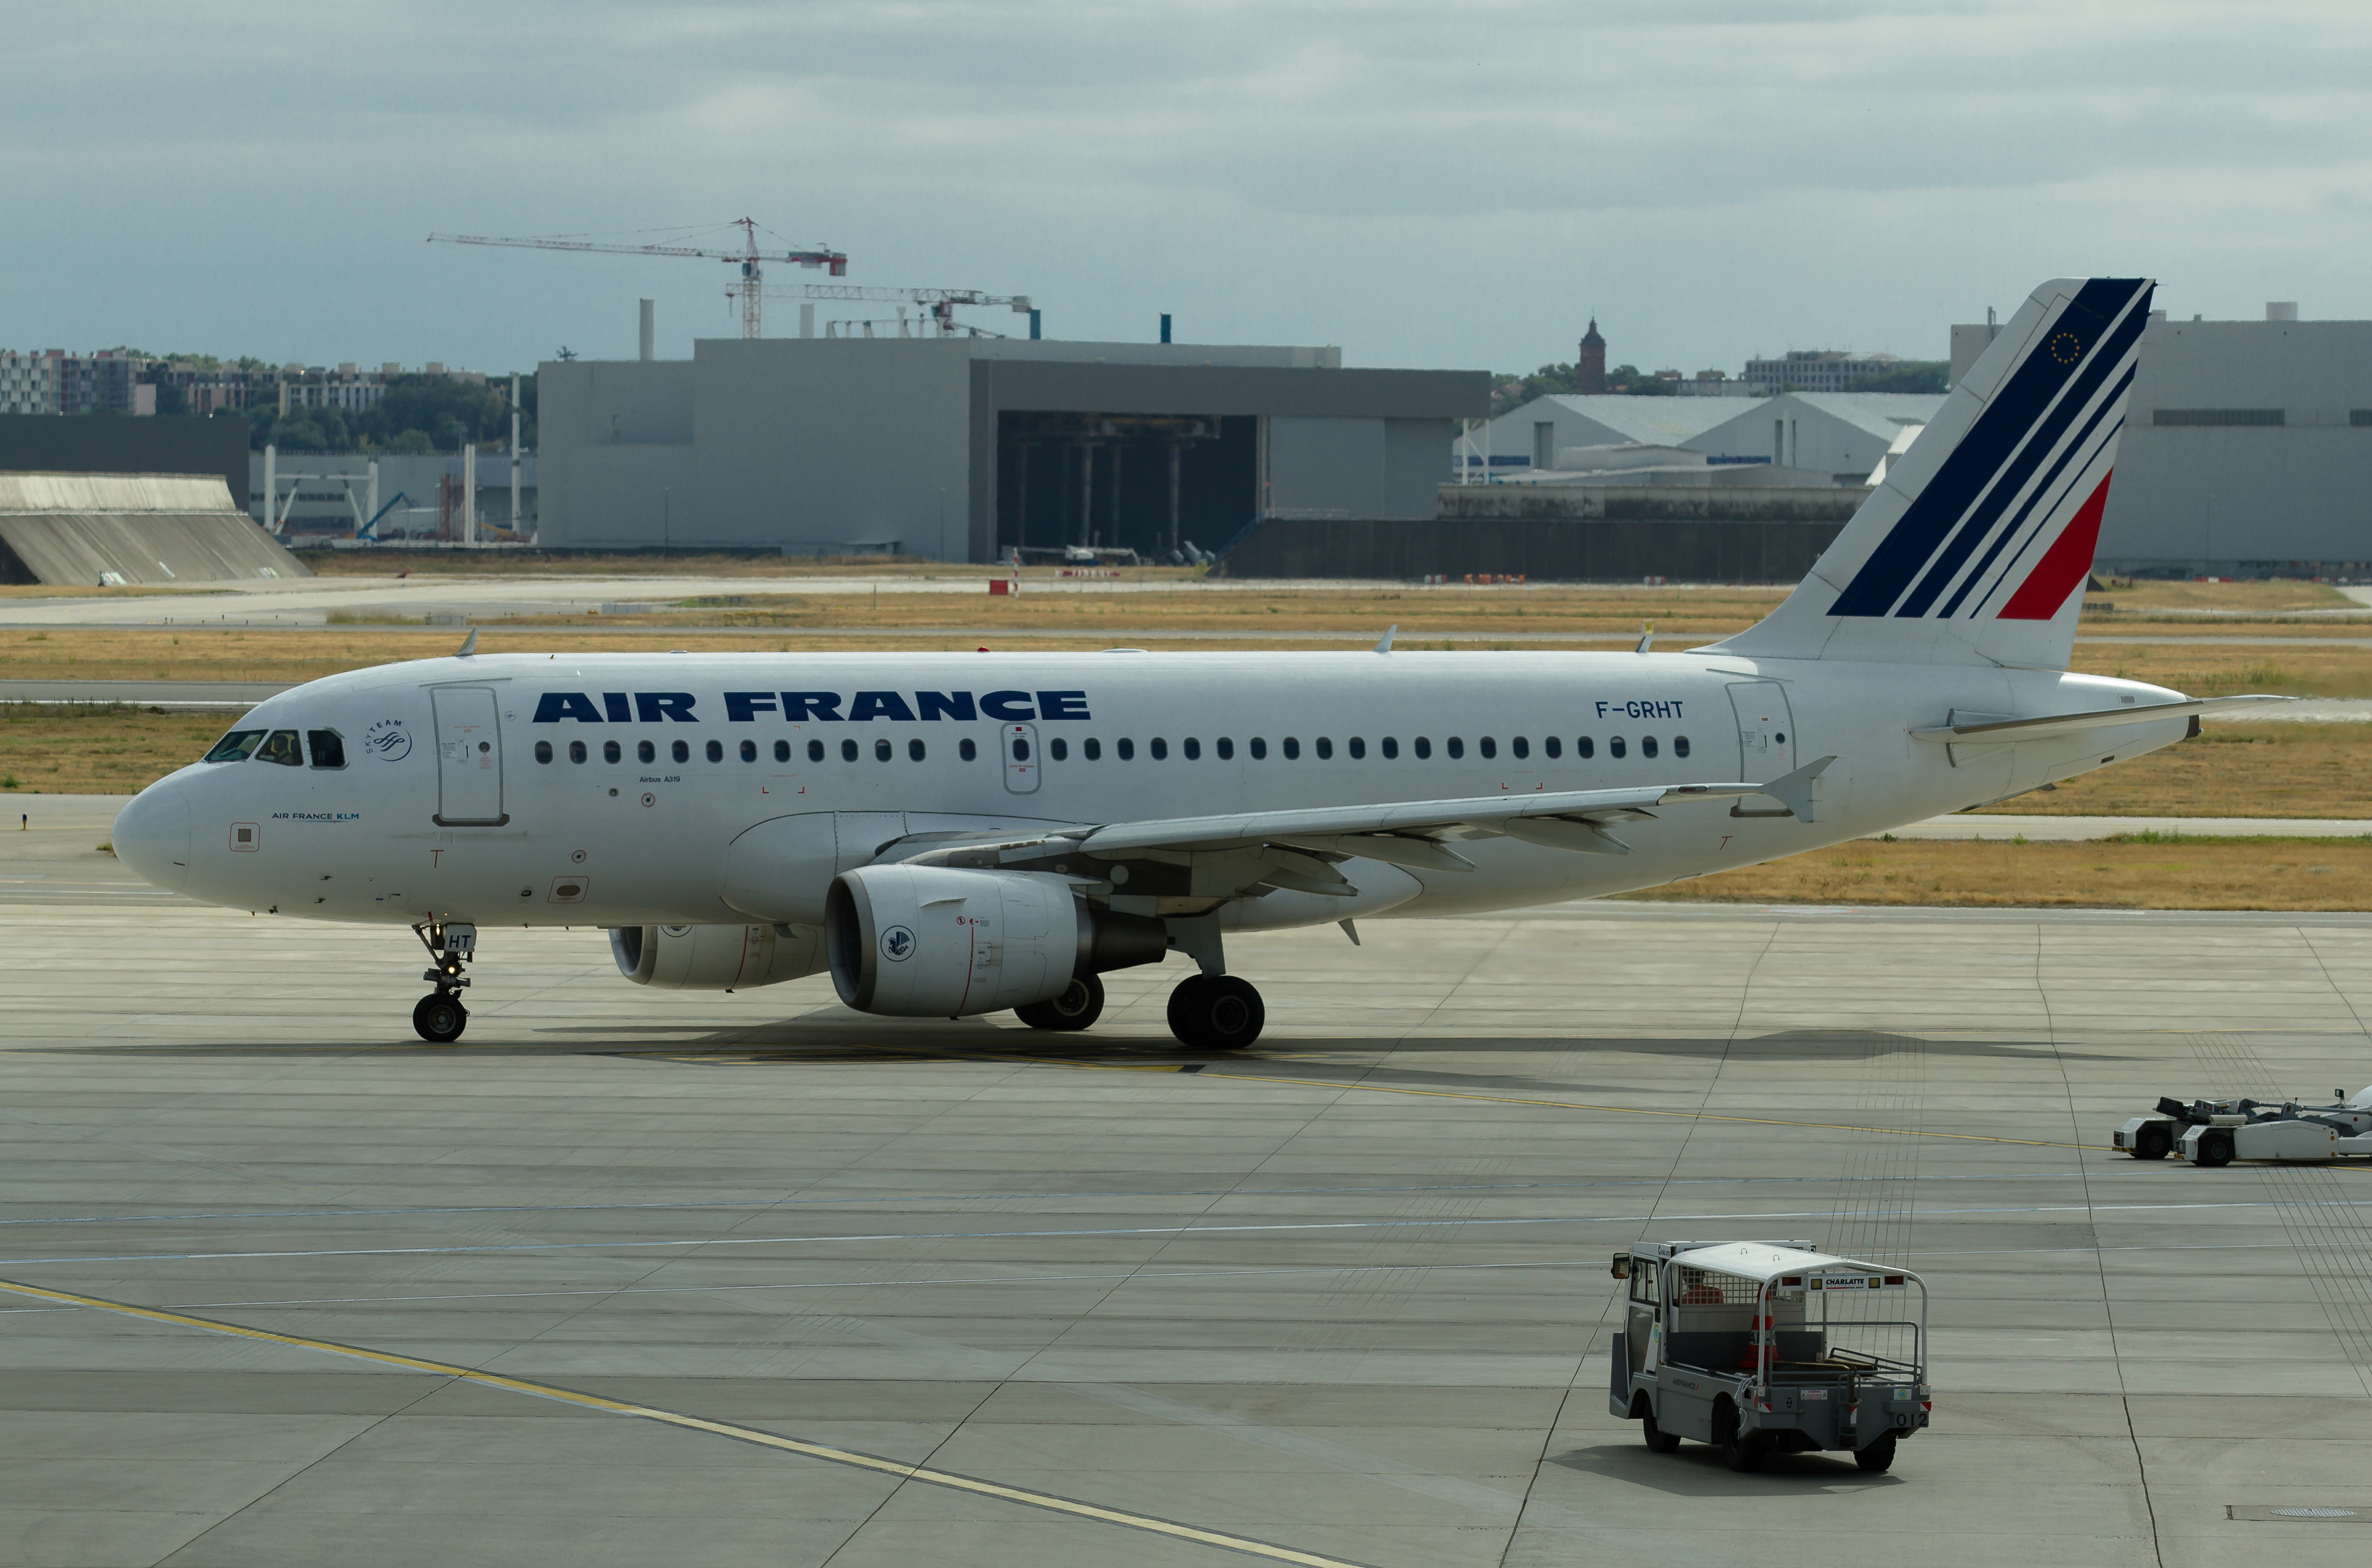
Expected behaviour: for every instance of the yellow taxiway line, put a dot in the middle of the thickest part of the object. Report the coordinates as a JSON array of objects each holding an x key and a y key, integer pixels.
[{"x": 850, "y": 1457}]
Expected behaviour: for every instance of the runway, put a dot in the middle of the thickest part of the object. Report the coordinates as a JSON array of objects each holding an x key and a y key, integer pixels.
[{"x": 633, "y": 1275}]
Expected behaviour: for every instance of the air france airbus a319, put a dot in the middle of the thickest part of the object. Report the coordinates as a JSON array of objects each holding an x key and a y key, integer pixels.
[{"x": 953, "y": 834}]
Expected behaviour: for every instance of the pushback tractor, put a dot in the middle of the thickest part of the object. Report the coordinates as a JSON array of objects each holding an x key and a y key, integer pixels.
[
  {"x": 2216, "y": 1132},
  {"x": 1768, "y": 1347}
]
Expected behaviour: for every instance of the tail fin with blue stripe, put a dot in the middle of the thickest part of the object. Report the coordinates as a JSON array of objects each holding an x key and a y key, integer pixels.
[{"x": 1973, "y": 548}]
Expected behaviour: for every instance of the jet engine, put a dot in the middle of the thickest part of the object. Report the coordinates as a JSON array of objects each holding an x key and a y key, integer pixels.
[
  {"x": 716, "y": 958},
  {"x": 936, "y": 942}
]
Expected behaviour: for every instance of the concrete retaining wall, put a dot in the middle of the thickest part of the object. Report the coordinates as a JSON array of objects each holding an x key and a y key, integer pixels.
[{"x": 146, "y": 529}]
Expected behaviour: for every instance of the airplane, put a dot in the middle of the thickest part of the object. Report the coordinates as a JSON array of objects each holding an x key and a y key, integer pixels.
[{"x": 953, "y": 834}]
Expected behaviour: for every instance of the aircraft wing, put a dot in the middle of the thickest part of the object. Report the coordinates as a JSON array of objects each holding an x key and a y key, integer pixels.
[
  {"x": 1414, "y": 833},
  {"x": 1987, "y": 727}
]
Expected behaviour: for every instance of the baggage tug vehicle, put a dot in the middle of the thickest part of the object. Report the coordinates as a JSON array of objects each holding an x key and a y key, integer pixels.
[{"x": 1764, "y": 1347}]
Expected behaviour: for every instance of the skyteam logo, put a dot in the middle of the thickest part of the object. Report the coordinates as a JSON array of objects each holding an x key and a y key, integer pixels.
[
  {"x": 2005, "y": 526},
  {"x": 897, "y": 944},
  {"x": 388, "y": 740}
]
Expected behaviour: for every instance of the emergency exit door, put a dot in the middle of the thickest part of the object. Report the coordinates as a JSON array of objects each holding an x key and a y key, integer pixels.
[
  {"x": 469, "y": 758},
  {"x": 1766, "y": 732},
  {"x": 1019, "y": 743}
]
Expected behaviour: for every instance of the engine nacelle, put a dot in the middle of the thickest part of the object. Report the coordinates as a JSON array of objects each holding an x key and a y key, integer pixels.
[
  {"x": 716, "y": 958},
  {"x": 936, "y": 942}
]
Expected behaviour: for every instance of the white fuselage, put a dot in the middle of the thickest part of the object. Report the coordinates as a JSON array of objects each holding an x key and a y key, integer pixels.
[{"x": 445, "y": 811}]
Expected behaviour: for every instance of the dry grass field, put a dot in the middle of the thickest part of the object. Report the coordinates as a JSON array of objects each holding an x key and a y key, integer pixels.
[
  {"x": 2257, "y": 769},
  {"x": 96, "y": 750},
  {"x": 2140, "y": 871}
]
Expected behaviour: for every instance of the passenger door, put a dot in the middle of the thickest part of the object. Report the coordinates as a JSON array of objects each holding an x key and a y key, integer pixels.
[
  {"x": 1766, "y": 731},
  {"x": 469, "y": 758},
  {"x": 1019, "y": 743}
]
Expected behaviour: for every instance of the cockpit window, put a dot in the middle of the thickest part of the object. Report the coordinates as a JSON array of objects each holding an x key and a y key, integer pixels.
[
  {"x": 235, "y": 746},
  {"x": 281, "y": 749},
  {"x": 328, "y": 746}
]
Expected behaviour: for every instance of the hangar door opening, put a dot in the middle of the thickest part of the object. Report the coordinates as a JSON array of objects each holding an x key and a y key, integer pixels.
[{"x": 1147, "y": 482}]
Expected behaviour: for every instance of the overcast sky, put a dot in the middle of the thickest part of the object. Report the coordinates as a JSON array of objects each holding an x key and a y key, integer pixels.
[{"x": 1424, "y": 185}]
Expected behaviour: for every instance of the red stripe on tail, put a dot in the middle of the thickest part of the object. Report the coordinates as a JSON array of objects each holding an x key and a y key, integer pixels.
[{"x": 2063, "y": 565}]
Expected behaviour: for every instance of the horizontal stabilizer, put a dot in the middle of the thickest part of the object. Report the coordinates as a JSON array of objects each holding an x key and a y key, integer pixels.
[{"x": 2046, "y": 724}]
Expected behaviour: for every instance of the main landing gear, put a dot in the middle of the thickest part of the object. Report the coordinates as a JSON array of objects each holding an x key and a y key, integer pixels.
[
  {"x": 1215, "y": 1012},
  {"x": 439, "y": 1016},
  {"x": 1078, "y": 1009}
]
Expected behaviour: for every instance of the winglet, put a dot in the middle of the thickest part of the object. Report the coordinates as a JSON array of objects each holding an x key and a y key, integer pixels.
[
  {"x": 1386, "y": 646},
  {"x": 1647, "y": 636},
  {"x": 469, "y": 644},
  {"x": 1795, "y": 791}
]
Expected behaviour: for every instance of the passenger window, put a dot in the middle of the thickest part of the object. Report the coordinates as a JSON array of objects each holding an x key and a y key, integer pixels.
[
  {"x": 881, "y": 750},
  {"x": 781, "y": 752},
  {"x": 815, "y": 751},
  {"x": 964, "y": 749},
  {"x": 1391, "y": 748},
  {"x": 1585, "y": 748},
  {"x": 328, "y": 746},
  {"x": 1679, "y": 746},
  {"x": 682, "y": 751},
  {"x": 1522, "y": 747},
  {"x": 1058, "y": 748},
  {"x": 748, "y": 750},
  {"x": 543, "y": 750},
  {"x": 645, "y": 752},
  {"x": 1646, "y": 745},
  {"x": 1490, "y": 745},
  {"x": 715, "y": 750},
  {"x": 1614, "y": 746},
  {"x": 1020, "y": 750},
  {"x": 1094, "y": 748},
  {"x": 1292, "y": 749},
  {"x": 609, "y": 753},
  {"x": 576, "y": 752},
  {"x": 1457, "y": 746},
  {"x": 1193, "y": 749},
  {"x": 1259, "y": 748},
  {"x": 1127, "y": 750},
  {"x": 848, "y": 751},
  {"x": 1226, "y": 749},
  {"x": 1325, "y": 749},
  {"x": 1160, "y": 749},
  {"x": 1358, "y": 749},
  {"x": 1553, "y": 746},
  {"x": 282, "y": 749},
  {"x": 914, "y": 751},
  {"x": 235, "y": 746}
]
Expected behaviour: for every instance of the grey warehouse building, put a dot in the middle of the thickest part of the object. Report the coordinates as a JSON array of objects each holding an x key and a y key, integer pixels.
[
  {"x": 964, "y": 449},
  {"x": 2247, "y": 452}
]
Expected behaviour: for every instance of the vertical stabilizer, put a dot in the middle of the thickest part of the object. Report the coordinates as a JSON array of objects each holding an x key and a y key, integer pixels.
[{"x": 1975, "y": 546}]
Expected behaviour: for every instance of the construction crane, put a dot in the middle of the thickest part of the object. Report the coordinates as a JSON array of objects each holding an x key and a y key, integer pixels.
[
  {"x": 749, "y": 259},
  {"x": 937, "y": 304}
]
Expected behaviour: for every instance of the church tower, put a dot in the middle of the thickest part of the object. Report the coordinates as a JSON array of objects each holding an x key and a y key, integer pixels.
[{"x": 1589, "y": 370}]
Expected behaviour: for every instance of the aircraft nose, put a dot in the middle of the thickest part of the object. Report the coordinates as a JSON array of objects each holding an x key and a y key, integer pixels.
[{"x": 152, "y": 836}]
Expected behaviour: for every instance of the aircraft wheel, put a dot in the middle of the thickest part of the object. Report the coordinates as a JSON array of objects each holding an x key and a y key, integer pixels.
[
  {"x": 1878, "y": 1456},
  {"x": 1216, "y": 1012},
  {"x": 1081, "y": 1004},
  {"x": 440, "y": 1018},
  {"x": 2152, "y": 1143}
]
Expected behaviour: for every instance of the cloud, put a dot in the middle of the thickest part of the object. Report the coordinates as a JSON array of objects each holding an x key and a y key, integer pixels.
[{"x": 1424, "y": 185}]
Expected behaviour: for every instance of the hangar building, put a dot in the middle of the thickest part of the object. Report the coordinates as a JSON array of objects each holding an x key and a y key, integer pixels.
[
  {"x": 2247, "y": 452},
  {"x": 965, "y": 448},
  {"x": 1839, "y": 434}
]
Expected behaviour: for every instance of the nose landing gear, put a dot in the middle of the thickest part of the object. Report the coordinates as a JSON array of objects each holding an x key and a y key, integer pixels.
[{"x": 439, "y": 1016}]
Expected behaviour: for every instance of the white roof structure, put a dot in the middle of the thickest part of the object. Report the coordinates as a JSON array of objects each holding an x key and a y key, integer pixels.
[
  {"x": 1761, "y": 1261},
  {"x": 1840, "y": 433},
  {"x": 1516, "y": 438}
]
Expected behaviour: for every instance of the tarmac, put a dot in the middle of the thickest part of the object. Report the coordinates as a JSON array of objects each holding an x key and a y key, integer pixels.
[{"x": 630, "y": 1276}]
